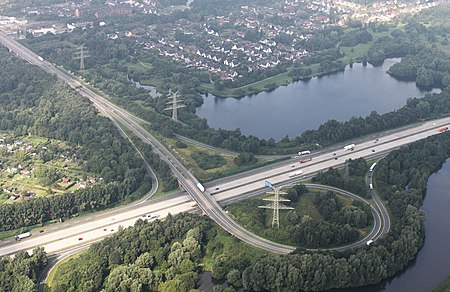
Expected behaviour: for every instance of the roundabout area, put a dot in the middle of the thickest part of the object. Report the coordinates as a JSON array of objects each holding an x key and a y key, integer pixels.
[{"x": 319, "y": 217}]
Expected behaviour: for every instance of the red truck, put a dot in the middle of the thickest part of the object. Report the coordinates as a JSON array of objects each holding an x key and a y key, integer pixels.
[{"x": 305, "y": 160}]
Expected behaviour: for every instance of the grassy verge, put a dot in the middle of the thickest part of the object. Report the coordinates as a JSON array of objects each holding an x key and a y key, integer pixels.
[
  {"x": 54, "y": 271},
  {"x": 185, "y": 156},
  {"x": 230, "y": 246}
]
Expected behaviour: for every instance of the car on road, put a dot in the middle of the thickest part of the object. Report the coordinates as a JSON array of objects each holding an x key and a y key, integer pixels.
[
  {"x": 104, "y": 229},
  {"x": 41, "y": 231},
  {"x": 217, "y": 189},
  {"x": 373, "y": 150},
  {"x": 80, "y": 238},
  {"x": 335, "y": 158}
]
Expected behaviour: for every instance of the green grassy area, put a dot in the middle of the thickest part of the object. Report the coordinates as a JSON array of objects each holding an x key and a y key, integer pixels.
[
  {"x": 156, "y": 82},
  {"x": 230, "y": 246},
  {"x": 280, "y": 80},
  {"x": 357, "y": 52},
  {"x": 184, "y": 155},
  {"x": 54, "y": 271},
  {"x": 307, "y": 207},
  {"x": 11, "y": 233},
  {"x": 138, "y": 66}
]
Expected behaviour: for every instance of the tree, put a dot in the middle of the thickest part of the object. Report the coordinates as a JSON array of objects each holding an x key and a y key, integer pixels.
[
  {"x": 424, "y": 77},
  {"x": 234, "y": 277}
]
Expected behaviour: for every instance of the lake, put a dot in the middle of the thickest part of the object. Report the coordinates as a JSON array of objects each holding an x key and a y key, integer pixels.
[{"x": 305, "y": 105}]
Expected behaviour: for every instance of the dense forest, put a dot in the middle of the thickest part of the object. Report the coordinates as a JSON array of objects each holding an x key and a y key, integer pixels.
[
  {"x": 170, "y": 255},
  {"x": 22, "y": 272},
  {"x": 34, "y": 103}
]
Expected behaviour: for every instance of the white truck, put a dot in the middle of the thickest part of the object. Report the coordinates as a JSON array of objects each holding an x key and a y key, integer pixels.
[
  {"x": 304, "y": 152},
  {"x": 200, "y": 187},
  {"x": 295, "y": 173},
  {"x": 23, "y": 235},
  {"x": 349, "y": 147}
]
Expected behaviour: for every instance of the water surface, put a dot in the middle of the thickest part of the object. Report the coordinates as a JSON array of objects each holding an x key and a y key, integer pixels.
[{"x": 305, "y": 105}]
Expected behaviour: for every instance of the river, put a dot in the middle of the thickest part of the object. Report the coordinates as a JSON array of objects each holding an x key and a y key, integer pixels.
[
  {"x": 432, "y": 264},
  {"x": 305, "y": 105}
]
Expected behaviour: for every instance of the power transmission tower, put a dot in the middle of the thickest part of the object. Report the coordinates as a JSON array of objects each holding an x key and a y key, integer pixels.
[
  {"x": 276, "y": 206},
  {"x": 174, "y": 105},
  {"x": 82, "y": 54}
]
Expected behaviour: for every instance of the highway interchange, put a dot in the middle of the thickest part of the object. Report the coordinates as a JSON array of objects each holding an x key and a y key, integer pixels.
[{"x": 223, "y": 190}]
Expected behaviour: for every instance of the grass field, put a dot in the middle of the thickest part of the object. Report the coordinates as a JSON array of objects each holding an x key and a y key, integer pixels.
[
  {"x": 54, "y": 271},
  {"x": 184, "y": 155}
]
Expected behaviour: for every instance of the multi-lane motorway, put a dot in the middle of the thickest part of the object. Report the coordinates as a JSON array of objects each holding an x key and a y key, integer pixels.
[
  {"x": 206, "y": 203},
  {"x": 223, "y": 190}
]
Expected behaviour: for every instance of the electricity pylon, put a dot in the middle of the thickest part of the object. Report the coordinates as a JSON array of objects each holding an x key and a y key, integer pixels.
[
  {"x": 275, "y": 205},
  {"x": 82, "y": 54},
  {"x": 174, "y": 105}
]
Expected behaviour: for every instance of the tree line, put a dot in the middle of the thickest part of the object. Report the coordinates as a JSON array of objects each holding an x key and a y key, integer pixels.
[{"x": 34, "y": 103}]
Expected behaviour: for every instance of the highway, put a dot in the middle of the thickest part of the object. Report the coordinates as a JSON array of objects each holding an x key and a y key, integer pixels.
[
  {"x": 206, "y": 203},
  {"x": 224, "y": 190},
  {"x": 62, "y": 239},
  {"x": 381, "y": 208}
]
